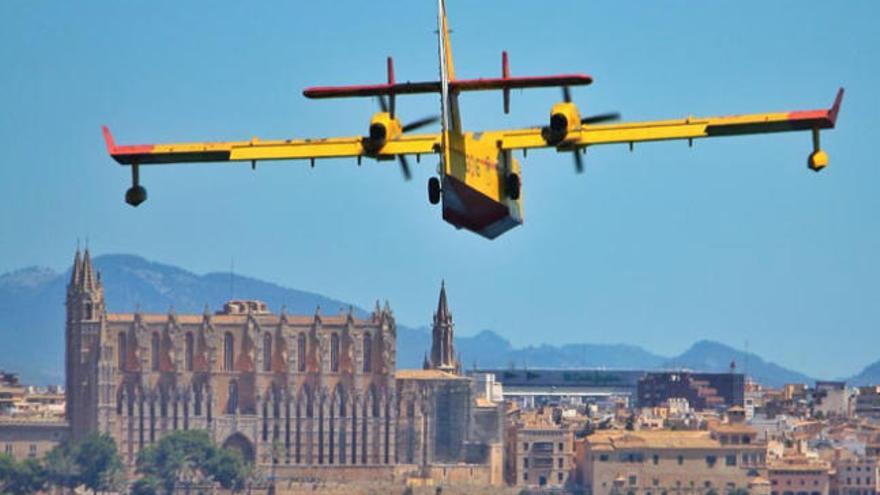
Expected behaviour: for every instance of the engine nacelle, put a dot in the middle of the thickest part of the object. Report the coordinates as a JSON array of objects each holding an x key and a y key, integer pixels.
[
  {"x": 383, "y": 128},
  {"x": 564, "y": 118}
]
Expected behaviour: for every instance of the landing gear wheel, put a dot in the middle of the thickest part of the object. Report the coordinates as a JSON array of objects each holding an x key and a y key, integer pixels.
[
  {"x": 433, "y": 190},
  {"x": 512, "y": 185}
]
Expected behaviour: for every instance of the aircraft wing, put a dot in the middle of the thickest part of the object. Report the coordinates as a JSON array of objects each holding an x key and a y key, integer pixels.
[
  {"x": 687, "y": 128},
  {"x": 259, "y": 150}
]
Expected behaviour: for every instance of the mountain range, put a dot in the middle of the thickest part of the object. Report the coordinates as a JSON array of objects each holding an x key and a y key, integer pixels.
[{"x": 32, "y": 325}]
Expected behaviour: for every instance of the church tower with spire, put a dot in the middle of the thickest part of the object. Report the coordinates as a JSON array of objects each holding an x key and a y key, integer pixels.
[
  {"x": 443, "y": 355},
  {"x": 85, "y": 312}
]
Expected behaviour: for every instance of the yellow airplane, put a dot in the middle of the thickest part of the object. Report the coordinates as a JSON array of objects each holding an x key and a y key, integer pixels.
[{"x": 479, "y": 181}]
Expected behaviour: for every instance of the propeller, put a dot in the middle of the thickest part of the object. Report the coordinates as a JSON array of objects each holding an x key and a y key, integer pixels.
[
  {"x": 412, "y": 126},
  {"x": 591, "y": 119}
]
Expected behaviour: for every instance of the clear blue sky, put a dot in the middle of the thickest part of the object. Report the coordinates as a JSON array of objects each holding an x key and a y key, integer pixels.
[{"x": 733, "y": 240}]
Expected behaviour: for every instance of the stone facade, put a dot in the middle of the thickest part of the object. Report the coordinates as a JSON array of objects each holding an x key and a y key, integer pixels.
[
  {"x": 30, "y": 438},
  {"x": 311, "y": 397}
]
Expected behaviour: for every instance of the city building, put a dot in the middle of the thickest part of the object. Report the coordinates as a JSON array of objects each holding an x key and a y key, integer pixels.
[
  {"x": 313, "y": 396},
  {"x": 831, "y": 399},
  {"x": 799, "y": 475},
  {"x": 868, "y": 402},
  {"x": 717, "y": 391},
  {"x": 540, "y": 450},
  {"x": 722, "y": 459},
  {"x": 534, "y": 387},
  {"x": 30, "y": 438},
  {"x": 855, "y": 475}
]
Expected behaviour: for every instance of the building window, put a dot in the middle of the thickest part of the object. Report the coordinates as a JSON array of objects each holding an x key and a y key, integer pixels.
[
  {"x": 560, "y": 462},
  {"x": 561, "y": 447},
  {"x": 730, "y": 460},
  {"x": 121, "y": 350},
  {"x": 334, "y": 352},
  {"x": 228, "y": 352},
  {"x": 526, "y": 463},
  {"x": 526, "y": 446},
  {"x": 188, "y": 352},
  {"x": 32, "y": 451},
  {"x": 633, "y": 480},
  {"x": 267, "y": 352},
  {"x": 656, "y": 459},
  {"x": 8, "y": 449},
  {"x": 154, "y": 351},
  {"x": 525, "y": 476},
  {"x": 711, "y": 460},
  {"x": 368, "y": 353},
  {"x": 680, "y": 460},
  {"x": 707, "y": 484},
  {"x": 232, "y": 401},
  {"x": 559, "y": 477},
  {"x": 301, "y": 352}
]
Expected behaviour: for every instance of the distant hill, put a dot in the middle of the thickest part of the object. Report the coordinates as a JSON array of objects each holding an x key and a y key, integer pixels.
[
  {"x": 868, "y": 376},
  {"x": 32, "y": 324},
  {"x": 711, "y": 356}
]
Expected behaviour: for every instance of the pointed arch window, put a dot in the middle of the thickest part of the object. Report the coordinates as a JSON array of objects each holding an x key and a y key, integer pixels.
[
  {"x": 368, "y": 353},
  {"x": 232, "y": 401},
  {"x": 154, "y": 351},
  {"x": 188, "y": 351},
  {"x": 334, "y": 352},
  {"x": 90, "y": 312},
  {"x": 121, "y": 350},
  {"x": 301, "y": 352},
  {"x": 267, "y": 352},
  {"x": 228, "y": 352}
]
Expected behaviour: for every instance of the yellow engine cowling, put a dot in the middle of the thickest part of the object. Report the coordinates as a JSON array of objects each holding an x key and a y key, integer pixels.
[
  {"x": 383, "y": 128},
  {"x": 564, "y": 118}
]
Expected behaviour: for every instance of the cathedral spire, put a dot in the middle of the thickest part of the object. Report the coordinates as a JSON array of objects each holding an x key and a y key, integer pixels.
[
  {"x": 443, "y": 355},
  {"x": 442, "y": 305},
  {"x": 76, "y": 273},
  {"x": 87, "y": 281}
]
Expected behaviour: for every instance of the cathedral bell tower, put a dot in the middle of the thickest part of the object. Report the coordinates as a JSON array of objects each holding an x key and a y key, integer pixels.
[
  {"x": 85, "y": 315},
  {"x": 442, "y": 345}
]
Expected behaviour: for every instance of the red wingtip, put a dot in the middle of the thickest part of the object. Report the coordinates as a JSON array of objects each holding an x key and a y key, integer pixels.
[
  {"x": 108, "y": 139},
  {"x": 835, "y": 108}
]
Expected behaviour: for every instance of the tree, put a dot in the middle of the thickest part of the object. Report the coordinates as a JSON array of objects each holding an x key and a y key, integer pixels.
[
  {"x": 61, "y": 467},
  {"x": 147, "y": 485},
  {"x": 21, "y": 478},
  {"x": 191, "y": 455},
  {"x": 100, "y": 468}
]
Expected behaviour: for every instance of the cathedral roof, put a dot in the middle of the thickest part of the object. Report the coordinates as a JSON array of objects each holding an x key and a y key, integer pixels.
[
  {"x": 237, "y": 319},
  {"x": 426, "y": 375}
]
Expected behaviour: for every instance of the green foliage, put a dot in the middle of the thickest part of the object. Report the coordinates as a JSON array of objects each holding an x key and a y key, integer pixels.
[
  {"x": 100, "y": 468},
  {"x": 228, "y": 468},
  {"x": 21, "y": 478},
  {"x": 61, "y": 467},
  {"x": 147, "y": 485},
  {"x": 191, "y": 455}
]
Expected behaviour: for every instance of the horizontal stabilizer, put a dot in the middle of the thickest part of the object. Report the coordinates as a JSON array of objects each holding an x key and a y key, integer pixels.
[{"x": 483, "y": 84}]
